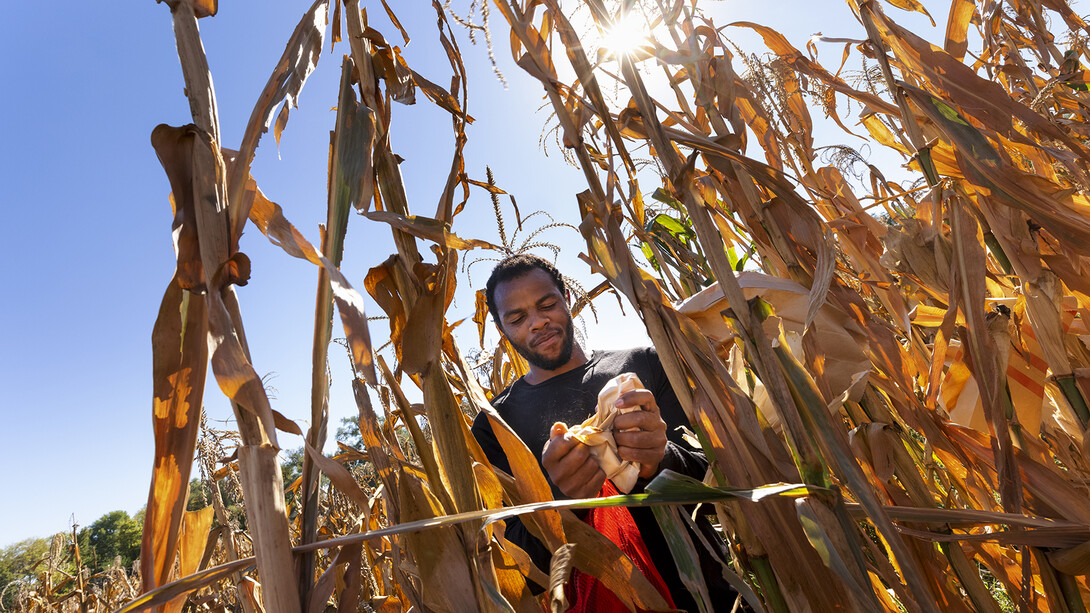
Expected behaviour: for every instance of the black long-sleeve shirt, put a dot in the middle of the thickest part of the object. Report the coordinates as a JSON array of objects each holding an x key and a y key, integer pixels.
[{"x": 572, "y": 397}]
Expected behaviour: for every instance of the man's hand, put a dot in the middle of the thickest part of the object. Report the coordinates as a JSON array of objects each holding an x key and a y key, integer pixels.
[
  {"x": 640, "y": 435},
  {"x": 570, "y": 465}
]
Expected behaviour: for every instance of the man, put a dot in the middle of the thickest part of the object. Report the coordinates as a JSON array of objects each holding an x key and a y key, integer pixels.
[{"x": 528, "y": 301}]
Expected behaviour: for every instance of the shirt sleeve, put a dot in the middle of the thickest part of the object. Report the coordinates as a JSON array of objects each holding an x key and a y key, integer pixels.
[{"x": 486, "y": 438}]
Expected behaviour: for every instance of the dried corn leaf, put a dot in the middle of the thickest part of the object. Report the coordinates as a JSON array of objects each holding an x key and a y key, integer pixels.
[{"x": 179, "y": 366}]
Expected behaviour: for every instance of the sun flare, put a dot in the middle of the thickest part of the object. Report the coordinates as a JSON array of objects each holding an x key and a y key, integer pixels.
[{"x": 627, "y": 35}]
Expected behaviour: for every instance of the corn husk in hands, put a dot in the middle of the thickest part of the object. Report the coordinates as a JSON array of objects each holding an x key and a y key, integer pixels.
[{"x": 597, "y": 432}]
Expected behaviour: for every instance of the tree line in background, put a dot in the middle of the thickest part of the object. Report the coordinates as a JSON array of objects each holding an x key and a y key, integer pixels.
[{"x": 44, "y": 568}]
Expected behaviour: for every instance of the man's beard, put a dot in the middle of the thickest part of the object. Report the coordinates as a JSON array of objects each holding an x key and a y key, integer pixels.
[{"x": 561, "y": 359}]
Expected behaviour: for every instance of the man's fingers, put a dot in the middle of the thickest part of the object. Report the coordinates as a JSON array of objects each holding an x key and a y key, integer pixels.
[
  {"x": 591, "y": 477},
  {"x": 638, "y": 398},
  {"x": 639, "y": 439},
  {"x": 643, "y": 420},
  {"x": 571, "y": 466},
  {"x": 640, "y": 455},
  {"x": 559, "y": 445},
  {"x": 586, "y": 488},
  {"x": 564, "y": 456},
  {"x": 576, "y": 458}
]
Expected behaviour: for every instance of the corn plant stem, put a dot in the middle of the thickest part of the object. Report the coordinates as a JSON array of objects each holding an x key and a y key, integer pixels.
[
  {"x": 667, "y": 155},
  {"x": 969, "y": 578},
  {"x": 770, "y": 586},
  {"x": 332, "y": 246},
  {"x": 1067, "y": 382},
  {"x": 79, "y": 570},
  {"x": 388, "y": 173},
  {"x": 662, "y": 330},
  {"x": 1069, "y": 585},
  {"x": 1049, "y": 578},
  {"x": 916, "y": 138},
  {"x": 260, "y": 471},
  {"x": 750, "y": 330},
  {"x": 376, "y": 444},
  {"x": 201, "y": 98},
  {"x": 431, "y": 467},
  {"x": 768, "y": 581},
  {"x": 517, "y": 21},
  {"x": 997, "y": 252},
  {"x": 228, "y": 537},
  {"x": 263, "y": 488},
  {"x": 198, "y": 79},
  {"x": 982, "y": 354},
  {"x": 921, "y": 496},
  {"x": 316, "y": 434}
]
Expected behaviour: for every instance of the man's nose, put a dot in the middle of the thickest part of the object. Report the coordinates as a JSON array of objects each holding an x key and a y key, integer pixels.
[{"x": 537, "y": 320}]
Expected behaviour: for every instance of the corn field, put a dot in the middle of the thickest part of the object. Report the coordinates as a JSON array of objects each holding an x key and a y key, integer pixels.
[{"x": 888, "y": 368}]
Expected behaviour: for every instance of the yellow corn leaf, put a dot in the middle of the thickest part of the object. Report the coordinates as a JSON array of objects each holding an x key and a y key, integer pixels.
[
  {"x": 881, "y": 132},
  {"x": 932, "y": 316},
  {"x": 194, "y": 537},
  {"x": 961, "y": 12},
  {"x": 914, "y": 6}
]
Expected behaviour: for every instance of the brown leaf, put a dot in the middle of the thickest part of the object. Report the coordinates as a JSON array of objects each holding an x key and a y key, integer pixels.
[
  {"x": 179, "y": 369},
  {"x": 394, "y": 20},
  {"x": 992, "y": 175},
  {"x": 174, "y": 147},
  {"x": 512, "y": 582},
  {"x": 269, "y": 218},
  {"x": 446, "y": 578},
  {"x": 439, "y": 96},
  {"x": 779, "y": 45},
  {"x": 428, "y": 229},
  {"x": 980, "y": 98},
  {"x": 300, "y": 57}
]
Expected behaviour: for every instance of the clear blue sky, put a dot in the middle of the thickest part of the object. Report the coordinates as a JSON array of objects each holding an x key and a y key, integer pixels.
[{"x": 87, "y": 227}]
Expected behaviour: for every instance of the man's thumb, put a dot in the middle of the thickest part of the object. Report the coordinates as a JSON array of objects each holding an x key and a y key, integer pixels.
[{"x": 558, "y": 429}]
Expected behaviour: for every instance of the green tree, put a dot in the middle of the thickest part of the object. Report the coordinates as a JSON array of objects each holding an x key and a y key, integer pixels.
[
  {"x": 16, "y": 564},
  {"x": 112, "y": 535},
  {"x": 199, "y": 496},
  {"x": 292, "y": 466}
]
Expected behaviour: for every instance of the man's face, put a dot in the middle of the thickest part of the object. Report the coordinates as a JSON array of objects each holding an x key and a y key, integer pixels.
[{"x": 535, "y": 319}]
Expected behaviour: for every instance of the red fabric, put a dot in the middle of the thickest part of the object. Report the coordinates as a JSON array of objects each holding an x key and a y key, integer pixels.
[{"x": 586, "y": 593}]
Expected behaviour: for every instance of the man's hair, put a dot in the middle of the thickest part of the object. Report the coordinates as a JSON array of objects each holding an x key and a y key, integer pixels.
[{"x": 513, "y": 267}]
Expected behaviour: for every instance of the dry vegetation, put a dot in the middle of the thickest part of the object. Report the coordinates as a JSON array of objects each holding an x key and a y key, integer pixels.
[{"x": 922, "y": 379}]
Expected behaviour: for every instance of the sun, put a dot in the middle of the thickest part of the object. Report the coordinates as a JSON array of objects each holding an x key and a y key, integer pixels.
[{"x": 627, "y": 35}]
